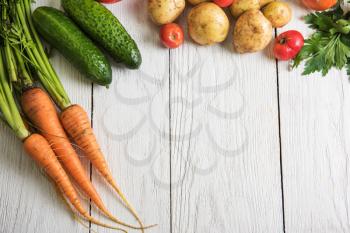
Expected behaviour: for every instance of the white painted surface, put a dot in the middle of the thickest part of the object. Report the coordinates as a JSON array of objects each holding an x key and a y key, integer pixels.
[
  {"x": 224, "y": 118},
  {"x": 28, "y": 201},
  {"x": 315, "y": 146},
  {"x": 193, "y": 138}
]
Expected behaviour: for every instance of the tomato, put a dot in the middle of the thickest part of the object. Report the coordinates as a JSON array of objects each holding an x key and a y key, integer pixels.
[
  {"x": 109, "y": 1},
  {"x": 171, "y": 35},
  {"x": 287, "y": 45},
  {"x": 223, "y": 3},
  {"x": 319, "y": 5}
]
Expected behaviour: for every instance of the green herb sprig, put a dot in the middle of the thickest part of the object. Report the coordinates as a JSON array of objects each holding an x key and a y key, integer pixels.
[
  {"x": 329, "y": 45},
  {"x": 22, "y": 44}
]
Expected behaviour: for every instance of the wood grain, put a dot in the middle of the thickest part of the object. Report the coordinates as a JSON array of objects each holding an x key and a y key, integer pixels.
[
  {"x": 225, "y": 143},
  {"x": 28, "y": 201},
  {"x": 193, "y": 138},
  {"x": 130, "y": 119},
  {"x": 315, "y": 146}
]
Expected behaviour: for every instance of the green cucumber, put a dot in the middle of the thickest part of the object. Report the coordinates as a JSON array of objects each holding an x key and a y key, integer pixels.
[
  {"x": 59, "y": 31},
  {"x": 104, "y": 28}
]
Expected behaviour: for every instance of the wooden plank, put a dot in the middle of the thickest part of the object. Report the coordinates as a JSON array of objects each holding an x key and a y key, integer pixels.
[
  {"x": 225, "y": 144},
  {"x": 314, "y": 123},
  {"x": 28, "y": 201},
  {"x": 129, "y": 120}
]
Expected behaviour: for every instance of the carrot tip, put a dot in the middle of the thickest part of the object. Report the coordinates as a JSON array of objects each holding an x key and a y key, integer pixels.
[{"x": 80, "y": 219}]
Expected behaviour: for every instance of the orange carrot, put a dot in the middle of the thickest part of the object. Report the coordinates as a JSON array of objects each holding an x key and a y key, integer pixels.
[
  {"x": 77, "y": 124},
  {"x": 40, "y": 109},
  {"x": 38, "y": 148}
]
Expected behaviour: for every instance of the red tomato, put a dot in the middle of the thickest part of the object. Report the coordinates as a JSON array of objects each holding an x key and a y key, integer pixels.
[
  {"x": 109, "y": 1},
  {"x": 319, "y": 5},
  {"x": 288, "y": 44},
  {"x": 171, "y": 35},
  {"x": 223, "y": 3}
]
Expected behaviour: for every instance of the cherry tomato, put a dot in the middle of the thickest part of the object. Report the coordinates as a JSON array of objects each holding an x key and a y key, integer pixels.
[
  {"x": 223, "y": 3},
  {"x": 288, "y": 44},
  {"x": 319, "y": 5},
  {"x": 109, "y": 1},
  {"x": 171, "y": 35}
]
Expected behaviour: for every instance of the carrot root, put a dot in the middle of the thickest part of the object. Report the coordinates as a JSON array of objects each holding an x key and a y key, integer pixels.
[
  {"x": 38, "y": 148},
  {"x": 77, "y": 124},
  {"x": 39, "y": 108}
]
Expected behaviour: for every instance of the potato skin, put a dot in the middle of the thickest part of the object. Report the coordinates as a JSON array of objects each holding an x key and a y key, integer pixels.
[
  {"x": 241, "y": 6},
  {"x": 207, "y": 24},
  {"x": 279, "y": 13},
  {"x": 265, "y": 2},
  {"x": 252, "y": 32},
  {"x": 165, "y": 11},
  {"x": 195, "y": 2}
]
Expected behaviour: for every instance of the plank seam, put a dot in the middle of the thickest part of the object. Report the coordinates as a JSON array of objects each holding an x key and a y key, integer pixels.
[
  {"x": 170, "y": 151},
  {"x": 280, "y": 142},
  {"x": 92, "y": 126}
]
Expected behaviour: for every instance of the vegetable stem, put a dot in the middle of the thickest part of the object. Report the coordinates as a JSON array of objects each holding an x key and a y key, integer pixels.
[
  {"x": 38, "y": 58},
  {"x": 22, "y": 70},
  {"x": 9, "y": 107},
  {"x": 38, "y": 42},
  {"x": 10, "y": 61}
]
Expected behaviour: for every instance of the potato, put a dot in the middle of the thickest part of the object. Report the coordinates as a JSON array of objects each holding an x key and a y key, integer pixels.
[
  {"x": 165, "y": 11},
  {"x": 252, "y": 32},
  {"x": 264, "y": 2},
  {"x": 195, "y": 2},
  {"x": 207, "y": 24},
  {"x": 279, "y": 13},
  {"x": 240, "y": 6}
]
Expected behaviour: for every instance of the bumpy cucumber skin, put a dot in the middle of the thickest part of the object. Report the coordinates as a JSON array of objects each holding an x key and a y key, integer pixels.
[
  {"x": 103, "y": 27},
  {"x": 66, "y": 37}
]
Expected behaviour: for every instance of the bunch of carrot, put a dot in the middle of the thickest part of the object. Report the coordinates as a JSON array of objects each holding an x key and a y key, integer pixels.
[{"x": 22, "y": 60}]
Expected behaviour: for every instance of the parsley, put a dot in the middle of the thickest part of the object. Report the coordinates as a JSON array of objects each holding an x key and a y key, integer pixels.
[{"x": 329, "y": 45}]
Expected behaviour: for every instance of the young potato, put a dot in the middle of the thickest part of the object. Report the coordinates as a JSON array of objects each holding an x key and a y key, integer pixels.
[
  {"x": 207, "y": 24},
  {"x": 240, "y": 6},
  {"x": 279, "y": 13},
  {"x": 165, "y": 11},
  {"x": 252, "y": 32},
  {"x": 195, "y": 2},
  {"x": 265, "y": 2}
]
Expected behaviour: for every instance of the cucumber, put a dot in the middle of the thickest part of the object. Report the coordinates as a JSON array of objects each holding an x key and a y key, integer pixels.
[
  {"x": 59, "y": 31},
  {"x": 104, "y": 28}
]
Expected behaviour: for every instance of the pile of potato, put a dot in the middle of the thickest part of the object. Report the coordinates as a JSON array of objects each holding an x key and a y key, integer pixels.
[{"x": 209, "y": 24}]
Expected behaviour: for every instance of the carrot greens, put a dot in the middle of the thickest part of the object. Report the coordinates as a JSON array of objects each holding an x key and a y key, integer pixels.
[
  {"x": 22, "y": 37},
  {"x": 9, "y": 109}
]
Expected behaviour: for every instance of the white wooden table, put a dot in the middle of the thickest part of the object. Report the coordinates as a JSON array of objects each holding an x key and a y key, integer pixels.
[{"x": 202, "y": 140}]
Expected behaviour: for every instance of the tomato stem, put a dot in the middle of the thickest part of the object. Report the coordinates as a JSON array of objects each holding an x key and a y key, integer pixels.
[{"x": 283, "y": 40}]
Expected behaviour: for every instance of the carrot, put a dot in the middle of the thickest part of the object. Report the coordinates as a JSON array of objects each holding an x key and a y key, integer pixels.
[
  {"x": 45, "y": 117},
  {"x": 39, "y": 108},
  {"x": 77, "y": 124},
  {"x": 34, "y": 144},
  {"x": 38, "y": 148}
]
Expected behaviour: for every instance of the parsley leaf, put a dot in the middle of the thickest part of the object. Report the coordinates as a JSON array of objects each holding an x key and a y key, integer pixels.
[
  {"x": 319, "y": 21},
  {"x": 348, "y": 68},
  {"x": 329, "y": 45}
]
